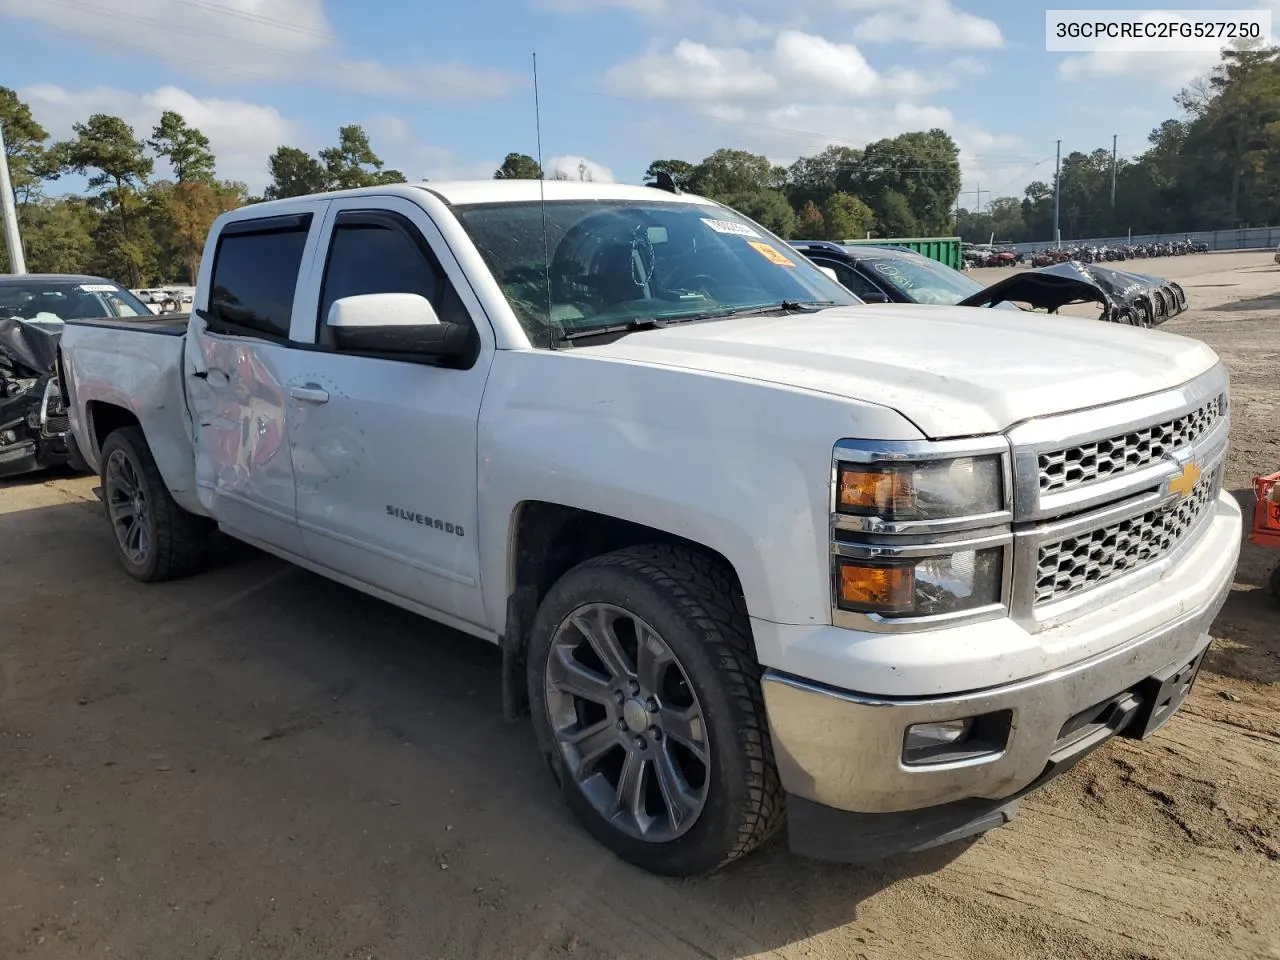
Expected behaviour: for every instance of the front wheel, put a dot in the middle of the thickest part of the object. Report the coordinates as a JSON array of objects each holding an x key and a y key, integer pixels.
[
  {"x": 155, "y": 538},
  {"x": 646, "y": 701}
]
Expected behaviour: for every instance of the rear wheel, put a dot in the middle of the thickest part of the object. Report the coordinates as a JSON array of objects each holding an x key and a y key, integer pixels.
[
  {"x": 155, "y": 538},
  {"x": 646, "y": 701}
]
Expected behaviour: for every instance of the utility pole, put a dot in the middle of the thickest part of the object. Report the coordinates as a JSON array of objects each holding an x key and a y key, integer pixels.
[
  {"x": 1113, "y": 171},
  {"x": 965, "y": 193},
  {"x": 1057, "y": 194},
  {"x": 12, "y": 241}
]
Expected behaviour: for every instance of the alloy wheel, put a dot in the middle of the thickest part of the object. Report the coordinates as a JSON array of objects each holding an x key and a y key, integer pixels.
[
  {"x": 127, "y": 506},
  {"x": 627, "y": 722}
]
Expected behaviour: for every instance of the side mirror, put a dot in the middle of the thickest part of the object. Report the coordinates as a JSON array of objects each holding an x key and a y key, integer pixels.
[
  {"x": 394, "y": 324},
  {"x": 830, "y": 273},
  {"x": 876, "y": 297}
]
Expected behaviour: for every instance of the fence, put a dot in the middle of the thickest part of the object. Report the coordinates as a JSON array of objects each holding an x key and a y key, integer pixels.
[{"x": 1248, "y": 238}]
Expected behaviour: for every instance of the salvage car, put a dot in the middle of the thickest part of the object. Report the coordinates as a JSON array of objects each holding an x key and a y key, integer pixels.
[
  {"x": 753, "y": 552},
  {"x": 34, "y": 431},
  {"x": 897, "y": 275}
]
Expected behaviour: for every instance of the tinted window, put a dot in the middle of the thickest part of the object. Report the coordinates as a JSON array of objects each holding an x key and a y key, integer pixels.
[
  {"x": 922, "y": 280},
  {"x": 370, "y": 257},
  {"x": 849, "y": 277},
  {"x": 254, "y": 277}
]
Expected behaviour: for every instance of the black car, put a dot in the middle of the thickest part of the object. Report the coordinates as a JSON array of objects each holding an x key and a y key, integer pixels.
[
  {"x": 34, "y": 430},
  {"x": 892, "y": 274}
]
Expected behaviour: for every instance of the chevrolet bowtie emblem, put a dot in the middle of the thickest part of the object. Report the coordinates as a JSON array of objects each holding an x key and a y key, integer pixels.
[{"x": 1186, "y": 481}]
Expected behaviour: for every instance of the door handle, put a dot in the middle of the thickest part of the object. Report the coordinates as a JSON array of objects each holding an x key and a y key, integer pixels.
[{"x": 311, "y": 393}]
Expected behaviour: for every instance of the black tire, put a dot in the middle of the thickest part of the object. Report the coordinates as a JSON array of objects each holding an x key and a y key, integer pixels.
[
  {"x": 693, "y": 603},
  {"x": 1275, "y": 582},
  {"x": 178, "y": 541}
]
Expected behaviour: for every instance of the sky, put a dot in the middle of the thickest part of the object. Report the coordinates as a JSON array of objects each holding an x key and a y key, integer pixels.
[{"x": 445, "y": 89}]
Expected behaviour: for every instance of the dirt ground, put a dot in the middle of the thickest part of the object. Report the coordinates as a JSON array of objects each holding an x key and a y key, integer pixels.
[{"x": 256, "y": 763}]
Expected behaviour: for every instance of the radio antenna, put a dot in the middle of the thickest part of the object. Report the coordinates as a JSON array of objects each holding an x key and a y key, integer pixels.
[{"x": 542, "y": 198}]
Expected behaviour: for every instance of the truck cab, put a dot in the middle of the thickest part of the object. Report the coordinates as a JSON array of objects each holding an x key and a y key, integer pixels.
[{"x": 755, "y": 553}]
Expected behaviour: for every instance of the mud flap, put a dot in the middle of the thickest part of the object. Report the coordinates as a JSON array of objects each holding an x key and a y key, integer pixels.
[{"x": 522, "y": 605}]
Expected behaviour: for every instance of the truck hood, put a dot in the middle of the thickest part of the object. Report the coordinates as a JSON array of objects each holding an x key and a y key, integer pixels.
[{"x": 952, "y": 371}]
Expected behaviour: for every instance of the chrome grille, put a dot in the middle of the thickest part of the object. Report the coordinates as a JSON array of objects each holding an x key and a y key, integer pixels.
[
  {"x": 1090, "y": 462},
  {"x": 1086, "y": 560}
]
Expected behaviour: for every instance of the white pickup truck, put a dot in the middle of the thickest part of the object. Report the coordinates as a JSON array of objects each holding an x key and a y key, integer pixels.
[{"x": 755, "y": 553}]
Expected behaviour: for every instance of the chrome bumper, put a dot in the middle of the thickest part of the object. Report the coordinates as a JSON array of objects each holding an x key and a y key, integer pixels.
[{"x": 844, "y": 750}]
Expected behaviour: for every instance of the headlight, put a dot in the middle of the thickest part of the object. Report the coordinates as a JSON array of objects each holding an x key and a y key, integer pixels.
[
  {"x": 922, "y": 490},
  {"x": 945, "y": 583}
]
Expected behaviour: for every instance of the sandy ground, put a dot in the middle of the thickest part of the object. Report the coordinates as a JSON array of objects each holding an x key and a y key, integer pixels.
[{"x": 259, "y": 764}]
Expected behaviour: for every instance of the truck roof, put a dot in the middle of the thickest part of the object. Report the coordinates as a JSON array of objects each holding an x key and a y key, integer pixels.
[{"x": 510, "y": 191}]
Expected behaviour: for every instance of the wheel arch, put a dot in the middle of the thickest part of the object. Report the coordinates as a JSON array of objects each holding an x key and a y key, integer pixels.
[
  {"x": 546, "y": 541},
  {"x": 173, "y": 455}
]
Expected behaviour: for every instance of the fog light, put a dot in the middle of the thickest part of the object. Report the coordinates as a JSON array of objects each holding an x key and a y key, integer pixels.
[
  {"x": 8, "y": 436},
  {"x": 952, "y": 741},
  {"x": 927, "y": 736}
]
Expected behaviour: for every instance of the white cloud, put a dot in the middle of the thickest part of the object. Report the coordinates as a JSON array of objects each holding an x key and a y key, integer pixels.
[
  {"x": 575, "y": 168},
  {"x": 254, "y": 41},
  {"x": 930, "y": 23},
  {"x": 870, "y": 122},
  {"x": 221, "y": 36},
  {"x": 727, "y": 77},
  {"x": 692, "y": 71},
  {"x": 241, "y": 135},
  {"x": 1168, "y": 69},
  {"x": 839, "y": 65}
]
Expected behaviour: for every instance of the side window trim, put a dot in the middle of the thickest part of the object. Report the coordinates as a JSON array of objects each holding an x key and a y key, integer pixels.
[
  {"x": 391, "y": 220},
  {"x": 250, "y": 226}
]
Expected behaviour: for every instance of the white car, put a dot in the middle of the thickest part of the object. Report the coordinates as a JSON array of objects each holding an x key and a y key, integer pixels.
[{"x": 754, "y": 552}]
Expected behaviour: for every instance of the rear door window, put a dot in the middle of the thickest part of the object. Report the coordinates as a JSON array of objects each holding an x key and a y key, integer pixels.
[{"x": 255, "y": 274}]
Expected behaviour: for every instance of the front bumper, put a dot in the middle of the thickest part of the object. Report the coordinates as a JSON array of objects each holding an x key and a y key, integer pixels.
[{"x": 842, "y": 753}]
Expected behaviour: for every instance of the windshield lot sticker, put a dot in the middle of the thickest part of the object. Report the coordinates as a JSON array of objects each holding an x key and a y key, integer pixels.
[
  {"x": 772, "y": 254},
  {"x": 729, "y": 226},
  {"x": 97, "y": 288}
]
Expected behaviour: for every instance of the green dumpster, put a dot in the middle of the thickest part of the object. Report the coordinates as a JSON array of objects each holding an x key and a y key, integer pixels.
[{"x": 943, "y": 249}]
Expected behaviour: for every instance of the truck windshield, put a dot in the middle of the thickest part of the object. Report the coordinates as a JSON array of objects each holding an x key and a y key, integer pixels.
[
  {"x": 53, "y": 300},
  {"x": 617, "y": 262}
]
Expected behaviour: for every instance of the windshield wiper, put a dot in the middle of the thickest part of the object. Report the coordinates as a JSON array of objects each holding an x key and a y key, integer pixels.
[
  {"x": 656, "y": 323},
  {"x": 640, "y": 323},
  {"x": 790, "y": 306}
]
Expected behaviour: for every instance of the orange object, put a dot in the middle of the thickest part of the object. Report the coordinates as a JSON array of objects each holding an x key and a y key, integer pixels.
[
  {"x": 772, "y": 254},
  {"x": 1266, "y": 512},
  {"x": 875, "y": 490},
  {"x": 875, "y": 588}
]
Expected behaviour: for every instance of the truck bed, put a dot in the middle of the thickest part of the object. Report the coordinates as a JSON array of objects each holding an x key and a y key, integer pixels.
[
  {"x": 135, "y": 366},
  {"x": 170, "y": 325}
]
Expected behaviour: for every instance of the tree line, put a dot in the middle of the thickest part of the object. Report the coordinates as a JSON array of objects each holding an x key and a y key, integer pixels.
[
  {"x": 898, "y": 187},
  {"x": 1215, "y": 167},
  {"x": 131, "y": 226}
]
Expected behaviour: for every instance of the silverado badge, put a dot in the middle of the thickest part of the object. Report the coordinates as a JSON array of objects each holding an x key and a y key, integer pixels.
[{"x": 1186, "y": 481}]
